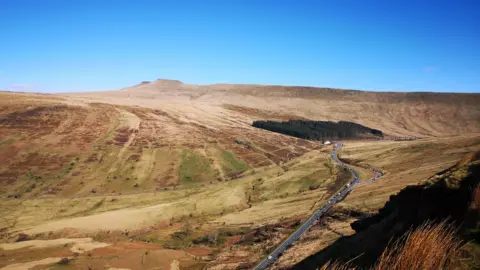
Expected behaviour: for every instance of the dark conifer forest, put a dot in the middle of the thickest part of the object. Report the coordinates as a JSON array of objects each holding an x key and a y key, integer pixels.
[{"x": 319, "y": 130}]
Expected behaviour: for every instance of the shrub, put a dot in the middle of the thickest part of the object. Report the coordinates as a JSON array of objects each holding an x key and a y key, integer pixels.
[
  {"x": 64, "y": 261},
  {"x": 23, "y": 237}
]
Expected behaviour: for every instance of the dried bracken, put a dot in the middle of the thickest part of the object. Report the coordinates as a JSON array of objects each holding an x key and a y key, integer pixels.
[{"x": 431, "y": 246}]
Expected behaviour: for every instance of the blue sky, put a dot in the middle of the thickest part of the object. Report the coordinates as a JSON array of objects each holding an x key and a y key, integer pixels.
[{"x": 80, "y": 45}]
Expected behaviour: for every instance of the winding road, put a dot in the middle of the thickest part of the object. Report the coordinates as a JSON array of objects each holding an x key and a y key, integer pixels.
[{"x": 272, "y": 257}]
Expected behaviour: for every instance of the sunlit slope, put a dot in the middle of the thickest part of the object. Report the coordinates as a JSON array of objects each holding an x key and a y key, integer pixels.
[
  {"x": 395, "y": 113},
  {"x": 57, "y": 146},
  {"x": 169, "y": 163}
]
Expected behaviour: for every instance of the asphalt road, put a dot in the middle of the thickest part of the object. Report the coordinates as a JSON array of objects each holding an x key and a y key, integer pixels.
[{"x": 272, "y": 257}]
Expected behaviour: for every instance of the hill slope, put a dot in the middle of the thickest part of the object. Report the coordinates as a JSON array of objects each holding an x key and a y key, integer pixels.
[
  {"x": 447, "y": 195},
  {"x": 166, "y": 165},
  {"x": 395, "y": 113}
]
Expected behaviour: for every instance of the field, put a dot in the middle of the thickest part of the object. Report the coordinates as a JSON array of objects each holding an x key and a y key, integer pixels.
[{"x": 175, "y": 175}]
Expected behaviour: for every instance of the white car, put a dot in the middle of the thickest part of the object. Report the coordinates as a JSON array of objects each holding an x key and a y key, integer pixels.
[{"x": 269, "y": 257}]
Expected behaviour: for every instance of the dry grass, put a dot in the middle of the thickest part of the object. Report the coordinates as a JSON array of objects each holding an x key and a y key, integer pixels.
[
  {"x": 68, "y": 147},
  {"x": 404, "y": 163},
  {"x": 220, "y": 201},
  {"x": 399, "y": 114},
  {"x": 335, "y": 266},
  {"x": 97, "y": 145},
  {"x": 430, "y": 246}
]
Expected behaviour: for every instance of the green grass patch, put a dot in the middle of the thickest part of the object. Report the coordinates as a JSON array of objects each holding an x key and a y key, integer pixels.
[
  {"x": 232, "y": 165},
  {"x": 9, "y": 141},
  {"x": 32, "y": 177},
  {"x": 66, "y": 169},
  {"x": 178, "y": 240},
  {"x": 181, "y": 239},
  {"x": 152, "y": 237},
  {"x": 195, "y": 168},
  {"x": 313, "y": 180}
]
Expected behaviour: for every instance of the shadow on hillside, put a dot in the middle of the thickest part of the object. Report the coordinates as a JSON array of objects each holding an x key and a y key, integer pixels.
[{"x": 446, "y": 198}]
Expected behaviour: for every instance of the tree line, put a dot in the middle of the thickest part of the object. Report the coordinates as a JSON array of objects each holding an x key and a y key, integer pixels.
[{"x": 319, "y": 130}]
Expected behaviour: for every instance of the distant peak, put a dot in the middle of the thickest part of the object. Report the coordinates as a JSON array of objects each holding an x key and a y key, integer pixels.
[{"x": 165, "y": 81}]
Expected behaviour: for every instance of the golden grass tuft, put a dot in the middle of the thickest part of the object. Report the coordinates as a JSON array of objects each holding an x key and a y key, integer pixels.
[
  {"x": 431, "y": 246},
  {"x": 337, "y": 266}
]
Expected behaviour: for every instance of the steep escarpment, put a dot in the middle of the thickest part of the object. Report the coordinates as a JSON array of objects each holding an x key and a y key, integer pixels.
[{"x": 449, "y": 195}]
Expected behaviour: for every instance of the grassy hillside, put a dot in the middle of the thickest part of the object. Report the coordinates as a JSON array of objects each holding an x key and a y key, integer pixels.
[
  {"x": 195, "y": 168},
  {"x": 401, "y": 114},
  {"x": 402, "y": 166},
  {"x": 448, "y": 197},
  {"x": 54, "y": 146},
  {"x": 166, "y": 173}
]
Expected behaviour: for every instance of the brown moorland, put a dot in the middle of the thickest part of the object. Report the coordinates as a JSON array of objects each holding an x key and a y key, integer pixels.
[{"x": 167, "y": 163}]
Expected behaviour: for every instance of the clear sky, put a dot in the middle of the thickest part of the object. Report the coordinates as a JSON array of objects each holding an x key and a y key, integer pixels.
[{"x": 404, "y": 45}]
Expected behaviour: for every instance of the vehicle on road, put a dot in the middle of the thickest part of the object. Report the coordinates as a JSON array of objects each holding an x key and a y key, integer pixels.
[{"x": 315, "y": 218}]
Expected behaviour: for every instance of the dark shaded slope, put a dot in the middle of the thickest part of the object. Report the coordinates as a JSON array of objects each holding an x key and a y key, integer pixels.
[{"x": 445, "y": 196}]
